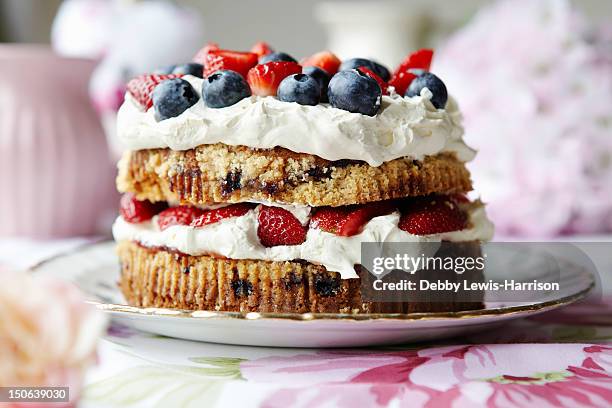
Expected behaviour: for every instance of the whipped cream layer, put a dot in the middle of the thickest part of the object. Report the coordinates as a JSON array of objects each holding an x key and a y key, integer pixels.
[
  {"x": 404, "y": 127},
  {"x": 236, "y": 238}
]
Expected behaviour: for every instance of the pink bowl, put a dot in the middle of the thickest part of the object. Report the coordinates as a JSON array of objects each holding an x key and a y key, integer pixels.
[{"x": 56, "y": 176}]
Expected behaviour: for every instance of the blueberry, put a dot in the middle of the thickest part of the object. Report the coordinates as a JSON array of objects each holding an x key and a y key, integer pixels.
[
  {"x": 165, "y": 70},
  {"x": 191, "y": 68},
  {"x": 173, "y": 97},
  {"x": 300, "y": 88},
  {"x": 321, "y": 76},
  {"x": 276, "y": 56},
  {"x": 434, "y": 84},
  {"x": 375, "y": 67},
  {"x": 355, "y": 92},
  {"x": 224, "y": 88}
]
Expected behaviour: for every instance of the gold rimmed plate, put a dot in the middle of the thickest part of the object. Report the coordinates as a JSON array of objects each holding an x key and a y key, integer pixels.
[{"x": 95, "y": 270}]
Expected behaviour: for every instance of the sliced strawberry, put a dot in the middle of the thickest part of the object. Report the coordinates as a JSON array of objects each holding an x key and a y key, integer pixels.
[
  {"x": 262, "y": 48},
  {"x": 182, "y": 215},
  {"x": 142, "y": 86},
  {"x": 432, "y": 215},
  {"x": 135, "y": 211},
  {"x": 200, "y": 56},
  {"x": 278, "y": 226},
  {"x": 237, "y": 61},
  {"x": 328, "y": 219},
  {"x": 216, "y": 215},
  {"x": 401, "y": 82},
  {"x": 349, "y": 220},
  {"x": 325, "y": 60},
  {"x": 265, "y": 78},
  {"x": 420, "y": 59},
  {"x": 383, "y": 85}
]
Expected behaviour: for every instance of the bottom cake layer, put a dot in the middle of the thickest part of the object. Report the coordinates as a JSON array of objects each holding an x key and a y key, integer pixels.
[{"x": 156, "y": 277}]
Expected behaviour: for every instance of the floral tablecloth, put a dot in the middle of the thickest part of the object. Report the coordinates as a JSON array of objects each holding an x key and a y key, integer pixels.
[{"x": 561, "y": 358}]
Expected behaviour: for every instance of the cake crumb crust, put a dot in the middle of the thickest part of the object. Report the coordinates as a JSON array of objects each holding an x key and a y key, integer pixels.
[{"x": 220, "y": 173}]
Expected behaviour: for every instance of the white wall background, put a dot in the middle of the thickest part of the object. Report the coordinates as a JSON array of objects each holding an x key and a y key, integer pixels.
[{"x": 291, "y": 25}]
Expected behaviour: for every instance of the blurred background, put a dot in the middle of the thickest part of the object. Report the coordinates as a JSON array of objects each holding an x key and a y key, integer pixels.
[
  {"x": 235, "y": 23},
  {"x": 533, "y": 79}
]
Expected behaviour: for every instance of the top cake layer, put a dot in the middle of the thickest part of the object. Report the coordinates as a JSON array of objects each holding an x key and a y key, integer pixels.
[{"x": 403, "y": 127}]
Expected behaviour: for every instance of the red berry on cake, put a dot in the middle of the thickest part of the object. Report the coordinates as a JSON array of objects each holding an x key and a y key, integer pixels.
[
  {"x": 265, "y": 78},
  {"x": 460, "y": 198},
  {"x": 216, "y": 215},
  {"x": 418, "y": 60},
  {"x": 200, "y": 56},
  {"x": 411, "y": 67},
  {"x": 135, "y": 211},
  {"x": 400, "y": 82},
  {"x": 182, "y": 215},
  {"x": 383, "y": 85},
  {"x": 348, "y": 221},
  {"x": 142, "y": 87},
  {"x": 261, "y": 48},
  {"x": 432, "y": 215},
  {"x": 278, "y": 226},
  {"x": 237, "y": 61},
  {"x": 325, "y": 60}
]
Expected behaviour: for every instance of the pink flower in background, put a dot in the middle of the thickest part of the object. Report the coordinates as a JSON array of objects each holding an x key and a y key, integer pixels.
[
  {"x": 534, "y": 82},
  {"x": 48, "y": 335}
]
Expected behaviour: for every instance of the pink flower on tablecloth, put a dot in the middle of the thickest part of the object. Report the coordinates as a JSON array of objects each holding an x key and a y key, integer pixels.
[
  {"x": 321, "y": 367},
  {"x": 539, "y": 375},
  {"x": 589, "y": 384},
  {"x": 599, "y": 358},
  {"x": 346, "y": 378}
]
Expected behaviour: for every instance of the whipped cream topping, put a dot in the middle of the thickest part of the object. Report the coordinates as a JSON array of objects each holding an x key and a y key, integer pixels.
[
  {"x": 236, "y": 238},
  {"x": 404, "y": 127}
]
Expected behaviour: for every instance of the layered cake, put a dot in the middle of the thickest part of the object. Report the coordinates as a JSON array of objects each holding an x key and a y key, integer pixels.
[{"x": 251, "y": 180}]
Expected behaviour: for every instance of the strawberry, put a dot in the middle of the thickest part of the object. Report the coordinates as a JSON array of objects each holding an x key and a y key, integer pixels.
[
  {"x": 135, "y": 211},
  {"x": 237, "y": 61},
  {"x": 432, "y": 215},
  {"x": 278, "y": 226},
  {"x": 349, "y": 220},
  {"x": 142, "y": 86},
  {"x": 420, "y": 59},
  {"x": 182, "y": 215},
  {"x": 216, "y": 215},
  {"x": 383, "y": 85},
  {"x": 460, "y": 198},
  {"x": 401, "y": 82},
  {"x": 265, "y": 78},
  {"x": 325, "y": 60},
  {"x": 262, "y": 48},
  {"x": 200, "y": 56}
]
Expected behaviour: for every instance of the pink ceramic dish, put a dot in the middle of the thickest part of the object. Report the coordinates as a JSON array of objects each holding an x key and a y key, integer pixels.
[{"x": 56, "y": 177}]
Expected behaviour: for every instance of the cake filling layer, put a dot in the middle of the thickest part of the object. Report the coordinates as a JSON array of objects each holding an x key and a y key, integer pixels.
[
  {"x": 404, "y": 127},
  {"x": 237, "y": 238}
]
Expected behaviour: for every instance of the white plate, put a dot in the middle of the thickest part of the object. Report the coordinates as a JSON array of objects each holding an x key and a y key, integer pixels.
[{"x": 95, "y": 269}]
